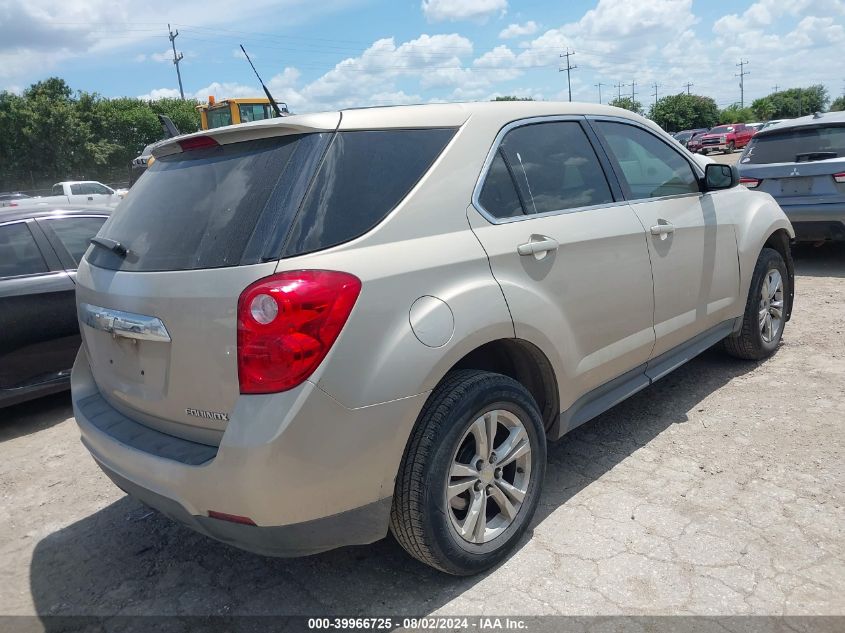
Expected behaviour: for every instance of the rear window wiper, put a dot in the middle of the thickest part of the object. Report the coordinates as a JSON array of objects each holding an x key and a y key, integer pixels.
[
  {"x": 110, "y": 245},
  {"x": 807, "y": 157}
]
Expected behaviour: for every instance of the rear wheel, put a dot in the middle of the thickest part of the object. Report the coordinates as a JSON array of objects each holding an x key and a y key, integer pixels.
[
  {"x": 470, "y": 478},
  {"x": 765, "y": 310}
]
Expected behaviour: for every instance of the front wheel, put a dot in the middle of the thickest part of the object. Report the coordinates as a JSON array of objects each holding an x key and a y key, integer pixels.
[
  {"x": 765, "y": 310},
  {"x": 471, "y": 476},
  {"x": 731, "y": 147}
]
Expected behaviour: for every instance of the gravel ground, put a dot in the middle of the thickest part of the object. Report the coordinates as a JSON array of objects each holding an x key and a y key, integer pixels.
[{"x": 719, "y": 490}]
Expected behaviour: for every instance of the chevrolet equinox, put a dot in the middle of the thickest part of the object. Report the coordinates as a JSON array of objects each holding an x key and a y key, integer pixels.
[{"x": 301, "y": 333}]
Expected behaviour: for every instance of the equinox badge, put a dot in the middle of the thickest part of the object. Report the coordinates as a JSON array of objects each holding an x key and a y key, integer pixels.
[{"x": 208, "y": 415}]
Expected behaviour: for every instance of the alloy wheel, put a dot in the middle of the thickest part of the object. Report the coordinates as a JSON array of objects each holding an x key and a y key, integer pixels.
[
  {"x": 489, "y": 476},
  {"x": 771, "y": 306}
]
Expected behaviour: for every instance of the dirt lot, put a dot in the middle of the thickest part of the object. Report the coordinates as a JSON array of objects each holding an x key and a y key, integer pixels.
[{"x": 717, "y": 491}]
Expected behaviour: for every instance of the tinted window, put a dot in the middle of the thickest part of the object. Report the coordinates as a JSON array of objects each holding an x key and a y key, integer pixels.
[
  {"x": 218, "y": 117},
  {"x": 76, "y": 233},
  {"x": 95, "y": 187},
  {"x": 199, "y": 209},
  {"x": 796, "y": 145},
  {"x": 555, "y": 167},
  {"x": 19, "y": 254},
  {"x": 498, "y": 195},
  {"x": 362, "y": 178},
  {"x": 58, "y": 190},
  {"x": 647, "y": 166},
  {"x": 78, "y": 189},
  {"x": 254, "y": 112}
]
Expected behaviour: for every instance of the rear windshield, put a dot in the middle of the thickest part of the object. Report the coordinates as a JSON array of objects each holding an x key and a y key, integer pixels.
[
  {"x": 198, "y": 209},
  {"x": 796, "y": 145},
  {"x": 255, "y": 201}
]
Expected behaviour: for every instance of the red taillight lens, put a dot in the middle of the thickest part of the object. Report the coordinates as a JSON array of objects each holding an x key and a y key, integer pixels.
[
  {"x": 287, "y": 324},
  {"x": 751, "y": 183},
  {"x": 840, "y": 177},
  {"x": 197, "y": 142}
]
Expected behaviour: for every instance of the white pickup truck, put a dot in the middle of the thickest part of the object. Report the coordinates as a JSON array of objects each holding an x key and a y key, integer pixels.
[{"x": 75, "y": 192}]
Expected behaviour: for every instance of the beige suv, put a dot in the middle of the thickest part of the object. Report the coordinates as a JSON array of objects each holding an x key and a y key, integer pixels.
[{"x": 302, "y": 333}]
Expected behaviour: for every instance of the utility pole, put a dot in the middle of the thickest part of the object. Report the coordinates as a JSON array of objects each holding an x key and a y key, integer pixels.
[
  {"x": 633, "y": 91},
  {"x": 688, "y": 86},
  {"x": 776, "y": 88},
  {"x": 599, "y": 85},
  {"x": 568, "y": 68},
  {"x": 176, "y": 57},
  {"x": 619, "y": 88},
  {"x": 742, "y": 73},
  {"x": 656, "y": 86}
]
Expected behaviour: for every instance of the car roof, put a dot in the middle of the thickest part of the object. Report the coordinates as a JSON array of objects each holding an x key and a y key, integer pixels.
[
  {"x": 819, "y": 118},
  {"x": 13, "y": 214},
  {"x": 401, "y": 116}
]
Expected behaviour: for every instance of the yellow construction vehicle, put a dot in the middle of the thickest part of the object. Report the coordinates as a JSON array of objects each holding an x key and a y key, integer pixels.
[{"x": 233, "y": 111}]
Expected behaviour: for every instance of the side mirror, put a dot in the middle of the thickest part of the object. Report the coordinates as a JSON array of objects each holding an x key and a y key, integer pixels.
[{"x": 718, "y": 176}]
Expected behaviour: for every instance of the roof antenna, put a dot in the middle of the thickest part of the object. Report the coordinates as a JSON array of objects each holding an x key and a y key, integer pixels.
[{"x": 279, "y": 112}]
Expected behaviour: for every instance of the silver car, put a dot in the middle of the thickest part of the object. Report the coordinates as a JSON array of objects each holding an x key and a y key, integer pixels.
[
  {"x": 304, "y": 332},
  {"x": 801, "y": 162}
]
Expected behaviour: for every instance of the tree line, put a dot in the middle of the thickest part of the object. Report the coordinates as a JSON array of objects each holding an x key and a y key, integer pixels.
[
  {"x": 51, "y": 133},
  {"x": 687, "y": 111}
]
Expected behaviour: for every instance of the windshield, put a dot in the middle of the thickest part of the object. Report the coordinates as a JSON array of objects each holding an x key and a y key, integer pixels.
[
  {"x": 200, "y": 208},
  {"x": 683, "y": 136},
  {"x": 722, "y": 129},
  {"x": 797, "y": 145}
]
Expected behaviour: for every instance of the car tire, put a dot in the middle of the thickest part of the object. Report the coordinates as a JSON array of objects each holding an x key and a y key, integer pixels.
[
  {"x": 731, "y": 147},
  {"x": 445, "y": 454},
  {"x": 761, "y": 331}
]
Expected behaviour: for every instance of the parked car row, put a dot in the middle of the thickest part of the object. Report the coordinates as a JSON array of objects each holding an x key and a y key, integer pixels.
[{"x": 70, "y": 192}]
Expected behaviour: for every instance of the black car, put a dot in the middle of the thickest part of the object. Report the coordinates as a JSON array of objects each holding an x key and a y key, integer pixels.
[
  {"x": 685, "y": 136},
  {"x": 39, "y": 252}
]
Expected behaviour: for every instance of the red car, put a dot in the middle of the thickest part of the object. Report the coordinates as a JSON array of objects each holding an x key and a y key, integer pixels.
[{"x": 724, "y": 138}]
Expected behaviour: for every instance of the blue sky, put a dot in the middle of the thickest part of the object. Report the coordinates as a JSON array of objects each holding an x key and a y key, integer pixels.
[{"x": 339, "y": 53}]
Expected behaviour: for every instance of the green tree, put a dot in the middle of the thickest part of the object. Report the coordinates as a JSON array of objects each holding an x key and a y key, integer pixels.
[
  {"x": 838, "y": 104},
  {"x": 799, "y": 101},
  {"x": 735, "y": 114},
  {"x": 684, "y": 112},
  {"x": 628, "y": 104},
  {"x": 513, "y": 98},
  {"x": 764, "y": 109}
]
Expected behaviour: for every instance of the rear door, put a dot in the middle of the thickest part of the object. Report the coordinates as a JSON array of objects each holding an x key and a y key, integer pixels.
[
  {"x": 37, "y": 310},
  {"x": 569, "y": 254},
  {"x": 691, "y": 237}
]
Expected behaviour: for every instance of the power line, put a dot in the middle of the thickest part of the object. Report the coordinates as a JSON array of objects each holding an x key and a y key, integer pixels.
[
  {"x": 176, "y": 57},
  {"x": 569, "y": 67},
  {"x": 742, "y": 73},
  {"x": 688, "y": 85}
]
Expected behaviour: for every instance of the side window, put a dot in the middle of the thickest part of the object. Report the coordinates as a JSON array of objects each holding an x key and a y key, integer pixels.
[
  {"x": 78, "y": 189},
  {"x": 57, "y": 190},
  {"x": 555, "y": 167},
  {"x": 19, "y": 254},
  {"x": 364, "y": 175},
  {"x": 498, "y": 194},
  {"x": 75, "y": 233},
  {"x": 95, "y": 187},
  {"x": 647, "y": 166}
]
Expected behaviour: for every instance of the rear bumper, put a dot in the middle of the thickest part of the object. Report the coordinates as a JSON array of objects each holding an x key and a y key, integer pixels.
[
  {"x": 814, "y": 222},
  {"x": 310, "y": 473}
]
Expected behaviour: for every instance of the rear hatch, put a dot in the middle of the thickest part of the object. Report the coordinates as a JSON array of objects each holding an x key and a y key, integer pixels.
[
  {"x": 198, "y": 227},
  {"x": 798, "y": 165}
]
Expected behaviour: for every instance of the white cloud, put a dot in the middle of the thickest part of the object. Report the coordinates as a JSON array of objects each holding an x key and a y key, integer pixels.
[
  {"x": 160, "y": 93},
  {"x": 519, "y": 30},
  {"x": 165, "y": 56},
  {"x": 453, "y": 10}
]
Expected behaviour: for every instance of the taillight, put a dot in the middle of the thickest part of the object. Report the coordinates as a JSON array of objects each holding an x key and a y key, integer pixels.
[
  {"x": 840, "y": 177},
  {"x": 751, "y": 183},
  {"x": 197, "y": 142},
  {"x": 287, "y": 324}
]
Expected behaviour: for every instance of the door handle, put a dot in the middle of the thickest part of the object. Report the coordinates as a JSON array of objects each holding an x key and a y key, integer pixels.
[
  {"x": 663, "y": 230},
  {"x": 538, "y": 246},
  {"x": 90, "y": 197}
]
